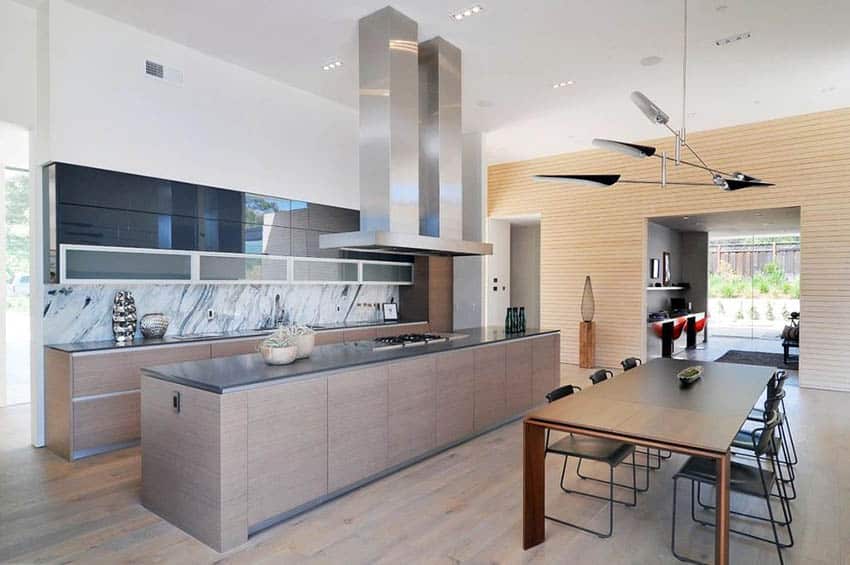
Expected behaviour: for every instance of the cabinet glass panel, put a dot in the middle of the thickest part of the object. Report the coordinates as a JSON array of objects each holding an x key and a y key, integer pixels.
[
  {"x": 221, "y": 268},
  {"x": 329, "y": 271},
  {"x": 380, "y": 272},
  {"x": 266, "y": 210},
  {"x": 124, "y": 265}
]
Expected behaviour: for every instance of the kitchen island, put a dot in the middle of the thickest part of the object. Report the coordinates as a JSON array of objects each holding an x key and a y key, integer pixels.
[{"x": 231, "y": 446}]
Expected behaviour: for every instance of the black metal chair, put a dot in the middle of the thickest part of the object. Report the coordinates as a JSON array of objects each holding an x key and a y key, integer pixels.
[
  {"x": 610, "y": 452},
  {"x": 601, "y": 375},
  {"x": 746, "y": 480},
  {"x": 742, "y": 445},
  {"x": 757, "y": 414},
  {"x": 630, "y": 363}
]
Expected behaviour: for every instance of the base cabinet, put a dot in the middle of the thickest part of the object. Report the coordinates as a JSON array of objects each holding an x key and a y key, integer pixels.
[
  {"x": 455, "y": 395},
  {"x": 490, "y": 392},
  {"x": 412, "y": 413},
  {"x": 357, "y": 425},
  {"x": 287, "y": 447}
]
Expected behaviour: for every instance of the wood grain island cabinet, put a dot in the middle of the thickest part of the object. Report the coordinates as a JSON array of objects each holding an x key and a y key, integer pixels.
[{"x": 225, "y": 458}]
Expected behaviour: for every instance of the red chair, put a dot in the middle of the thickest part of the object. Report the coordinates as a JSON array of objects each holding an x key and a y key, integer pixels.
[
  {"x": 700, "y": 323},
  {"x": 678, "y": 326}
]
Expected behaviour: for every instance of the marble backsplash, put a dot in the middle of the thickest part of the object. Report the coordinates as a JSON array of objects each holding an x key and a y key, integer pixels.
[{"x": 84, "y": 312}]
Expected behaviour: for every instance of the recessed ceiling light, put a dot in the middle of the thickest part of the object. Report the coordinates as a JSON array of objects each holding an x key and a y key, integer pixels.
[
  {"x": 723, "y": 41},
  {"x": 651, "y": 60},
  {"x": 563, "y": 83},
  {"x": 332, "y": 65},
  {"x": 466, "y": 12}
]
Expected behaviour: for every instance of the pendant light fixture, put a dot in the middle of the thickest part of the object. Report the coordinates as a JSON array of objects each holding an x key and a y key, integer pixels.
[{"x": 724, "y": 180}]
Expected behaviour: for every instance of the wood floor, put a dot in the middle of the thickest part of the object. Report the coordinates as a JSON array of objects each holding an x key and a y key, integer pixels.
[{"x": 462, "y": 506}]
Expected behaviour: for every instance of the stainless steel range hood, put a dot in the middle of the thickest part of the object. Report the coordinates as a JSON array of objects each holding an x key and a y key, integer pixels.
[{"x": 410, "y": 144}]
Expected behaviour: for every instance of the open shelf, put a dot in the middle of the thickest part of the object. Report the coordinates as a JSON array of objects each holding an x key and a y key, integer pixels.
[{"x": 665, "y": 288}]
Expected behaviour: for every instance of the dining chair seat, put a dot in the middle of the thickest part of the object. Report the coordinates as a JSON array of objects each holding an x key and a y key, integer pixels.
[
  {"x": 743, "y": 478},
  {"x": 596, "y": 449}
]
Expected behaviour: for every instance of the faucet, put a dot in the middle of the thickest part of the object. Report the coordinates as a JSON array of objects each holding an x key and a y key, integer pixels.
[{"x": 277, "y": 312}]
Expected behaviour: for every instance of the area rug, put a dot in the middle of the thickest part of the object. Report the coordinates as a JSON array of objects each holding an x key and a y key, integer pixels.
[{"x": 757, "y": 358}]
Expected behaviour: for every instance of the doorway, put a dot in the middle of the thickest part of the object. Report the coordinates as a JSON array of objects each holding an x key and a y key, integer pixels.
[
  {"x": 753, "y": 286},
  {"x": 513, "y": 270},
  {"x": 14, "y": 265}
]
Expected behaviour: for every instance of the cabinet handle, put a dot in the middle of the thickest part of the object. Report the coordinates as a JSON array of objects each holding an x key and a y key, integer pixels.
[{"x": 175, "y": 401}]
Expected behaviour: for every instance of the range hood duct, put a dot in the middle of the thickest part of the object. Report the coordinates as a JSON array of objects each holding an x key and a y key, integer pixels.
[{"x": 410, "y": 144}]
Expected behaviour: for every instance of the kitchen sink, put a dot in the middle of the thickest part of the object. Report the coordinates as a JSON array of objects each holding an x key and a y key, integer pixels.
[{"x": 199, "y": 335}]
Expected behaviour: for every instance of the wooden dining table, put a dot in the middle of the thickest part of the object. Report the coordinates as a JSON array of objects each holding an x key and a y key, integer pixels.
[{"x": 647, "y": 406}]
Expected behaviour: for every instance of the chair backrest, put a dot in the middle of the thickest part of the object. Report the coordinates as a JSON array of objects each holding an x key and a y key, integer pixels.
[
  {"x": 600, "y": 375},
  {"x": 561, "y": 392},
  {"x": 630, "y": 363},
  {"x": 763, "y": 436},
  {"x": 777, "y": 383}
]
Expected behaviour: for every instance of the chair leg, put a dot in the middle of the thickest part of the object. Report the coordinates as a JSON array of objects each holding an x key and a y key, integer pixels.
[
  {"x": 610, "y": 499},
  {"x": 673, "y": 528}
]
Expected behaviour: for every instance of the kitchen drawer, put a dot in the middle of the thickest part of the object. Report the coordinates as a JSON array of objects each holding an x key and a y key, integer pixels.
[
  {"x": 116, "y": 371},
  {"x": 106, "y": 420},
  {"x": 235, "y": 347},
  {"x": 360, "y": 334}
]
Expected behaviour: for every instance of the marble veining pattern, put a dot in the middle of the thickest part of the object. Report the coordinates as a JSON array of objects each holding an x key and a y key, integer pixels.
[{"x": 75, "y": 313}]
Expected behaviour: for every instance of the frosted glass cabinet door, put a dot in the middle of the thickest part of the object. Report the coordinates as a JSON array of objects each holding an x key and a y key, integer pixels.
[
  {"x": 382, "y": 272},
  {"x": 86, "y": 264},
  {"x": 239, "y": 268},
  {"x": 324, "y": 271}
]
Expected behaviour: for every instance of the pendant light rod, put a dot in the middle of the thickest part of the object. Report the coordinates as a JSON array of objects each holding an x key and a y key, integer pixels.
[{"x": 685, "y": 71}]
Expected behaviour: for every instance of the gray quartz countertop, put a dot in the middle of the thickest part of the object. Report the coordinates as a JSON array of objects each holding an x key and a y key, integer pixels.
[
  {"x": 229, "y": 374},
  {"x": 85, "y": 346}
]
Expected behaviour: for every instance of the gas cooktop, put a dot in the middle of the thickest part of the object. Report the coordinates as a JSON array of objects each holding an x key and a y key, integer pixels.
[{"x": 411, "y": 340}]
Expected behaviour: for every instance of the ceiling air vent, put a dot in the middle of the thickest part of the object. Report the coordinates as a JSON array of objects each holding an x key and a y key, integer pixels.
[
  {"x": 160, "y": 71},
  {"x": 154, "y": 69}
]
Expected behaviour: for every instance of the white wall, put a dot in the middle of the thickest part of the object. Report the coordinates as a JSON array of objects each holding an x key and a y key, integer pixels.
[
  {"x": 498, "y": 267},
  {"x": 17, "y": 63},
  {"x": 224, "y": 126},
  {"x": 525, "y": 271}
]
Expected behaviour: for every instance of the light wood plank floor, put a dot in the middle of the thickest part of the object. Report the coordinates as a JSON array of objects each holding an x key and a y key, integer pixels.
[{"x": 462, "y": 506}]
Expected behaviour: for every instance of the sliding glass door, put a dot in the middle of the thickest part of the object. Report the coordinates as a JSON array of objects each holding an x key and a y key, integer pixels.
[{"x": 754, "y": 284}]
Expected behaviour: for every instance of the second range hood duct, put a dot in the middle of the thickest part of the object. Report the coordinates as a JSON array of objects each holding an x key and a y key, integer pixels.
[{"x": 410, "y": 144}]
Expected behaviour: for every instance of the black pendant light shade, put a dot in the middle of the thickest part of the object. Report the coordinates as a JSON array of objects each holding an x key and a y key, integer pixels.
[
  {"x": 587, "y": 180},
  {"x": 734, "y": 184},
  {"x": 630, "y": 149},
  {"x": 742, "y": 176}
]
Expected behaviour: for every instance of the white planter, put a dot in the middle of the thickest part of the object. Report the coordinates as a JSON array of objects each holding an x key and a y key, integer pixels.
[
  {"x": 279, "y": 355},
  {"x": 305, "y": 344}
]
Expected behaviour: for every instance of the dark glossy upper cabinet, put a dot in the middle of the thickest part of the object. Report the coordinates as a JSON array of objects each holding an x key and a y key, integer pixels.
[
  {"x": 85, "y": 186},
  {"x": 332, "y": 219},
  {"x": 91, "y": 206}
]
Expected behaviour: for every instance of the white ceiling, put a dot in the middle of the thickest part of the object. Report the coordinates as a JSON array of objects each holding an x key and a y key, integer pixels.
[
  {"x": 795, "y": 62},
  {"x": 744, "y": 222}
]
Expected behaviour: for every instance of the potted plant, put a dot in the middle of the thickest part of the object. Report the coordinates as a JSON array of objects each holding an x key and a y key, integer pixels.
[
  {"x": 304, "y": 337},
  {"x": 280, "y": 348}
]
